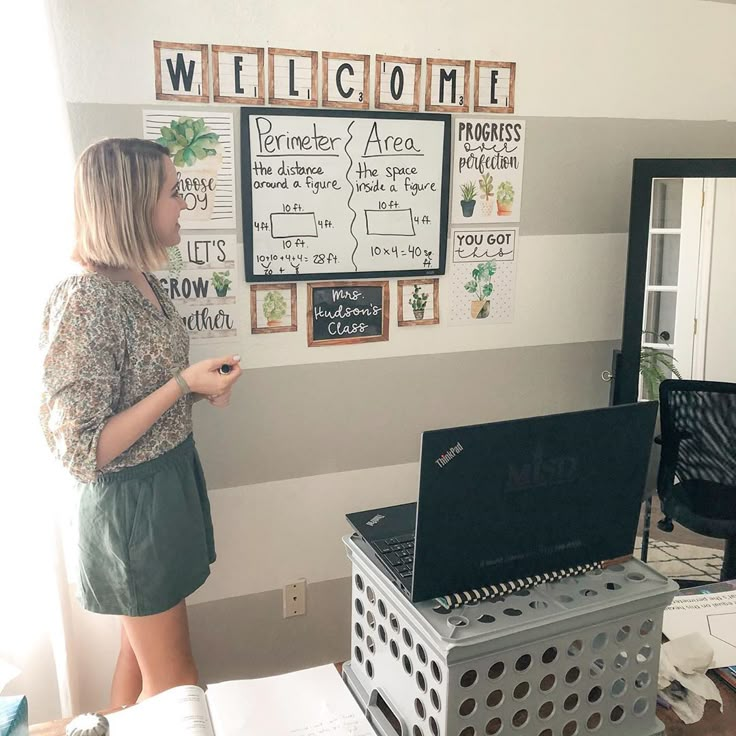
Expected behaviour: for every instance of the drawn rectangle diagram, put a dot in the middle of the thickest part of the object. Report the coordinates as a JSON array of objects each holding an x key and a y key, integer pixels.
[
  {"x": 293, "y": 225},
  {"x": 389, "y": 222}
]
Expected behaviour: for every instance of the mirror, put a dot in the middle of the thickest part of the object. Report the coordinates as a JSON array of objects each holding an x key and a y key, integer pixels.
[{"x": 680, "y": 303}]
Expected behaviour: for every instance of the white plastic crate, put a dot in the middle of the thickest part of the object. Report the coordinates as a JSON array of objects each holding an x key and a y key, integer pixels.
[{"x": 571, "y": 658}]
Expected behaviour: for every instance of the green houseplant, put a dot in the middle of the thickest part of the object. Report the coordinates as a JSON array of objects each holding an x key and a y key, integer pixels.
[
  {"x": 654, "y": 366},
  {"x": 486, "y": 187},
  {"x": 467, "y": 203},
  {"x": 189, "y": 141},
  {"x": 504, "y": 198},
  {"x": 418, "y": 301},
  {"x": 274, "y": 308},
  {"x": 221, "y": 282},
  {"x": 481, "y": 287}
]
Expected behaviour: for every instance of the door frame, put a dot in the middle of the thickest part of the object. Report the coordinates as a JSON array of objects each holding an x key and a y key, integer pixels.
[{"x": 645, "y": 170}]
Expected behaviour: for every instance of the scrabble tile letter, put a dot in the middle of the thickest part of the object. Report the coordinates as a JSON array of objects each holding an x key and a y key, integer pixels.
[
  {"x": 292, "y": 77},
  {"x": 345, "y": 80},
  {"x": 181, "y": 71},
  {"x": 397, "y": 83},
  {"x": 447, "y": 85},
  {"x": 238, "y": 74},
  {"x": 494, "y": 86}
]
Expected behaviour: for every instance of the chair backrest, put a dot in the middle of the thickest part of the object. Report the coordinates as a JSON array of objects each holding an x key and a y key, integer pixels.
[{"x": 698, "y": 422}]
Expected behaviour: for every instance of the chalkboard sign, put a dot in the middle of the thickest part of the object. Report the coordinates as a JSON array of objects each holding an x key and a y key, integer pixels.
[
  {"x": 343, "y": 193},
  {"x": 346, "y": 312}
]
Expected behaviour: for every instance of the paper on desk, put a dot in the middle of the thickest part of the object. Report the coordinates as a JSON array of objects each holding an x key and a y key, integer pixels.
[
  {"x": 304, "y": 703},
  {"x": 713, "y": 615},
  {"x": 686, "y": 660},
  {"x": 181, "y": 710}
]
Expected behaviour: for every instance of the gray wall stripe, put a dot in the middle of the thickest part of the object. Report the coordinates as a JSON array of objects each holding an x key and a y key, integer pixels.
[
  {"x": 577, "y": 171},
  {"x": 259, "y": 642},
  {"x": 297, "y": 421}
]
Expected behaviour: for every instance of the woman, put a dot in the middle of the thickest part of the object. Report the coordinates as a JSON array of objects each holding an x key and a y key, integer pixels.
[{"x": 117, "y": 411}]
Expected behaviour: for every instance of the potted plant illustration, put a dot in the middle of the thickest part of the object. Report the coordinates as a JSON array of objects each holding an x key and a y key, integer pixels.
[
  {"x": 221, "y": 282},
  {"x": 195, "y": 151},
  {"x": 654, "y": 366},
  {"x": 486, "y": 187},
  {"x": 274, "y": 308},
  {"x": 467, "y": 203},
  {"x": 481, "y": 287},
  {"x": 418, "y": 301},
  {"x": 504, "y": 198}
]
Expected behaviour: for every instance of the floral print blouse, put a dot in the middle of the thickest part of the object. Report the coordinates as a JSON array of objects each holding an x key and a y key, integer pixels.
[{"x": 104, "y": 348}]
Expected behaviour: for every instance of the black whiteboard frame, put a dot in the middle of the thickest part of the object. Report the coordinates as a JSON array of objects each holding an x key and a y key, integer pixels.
[{"x": 247, "y": 203}]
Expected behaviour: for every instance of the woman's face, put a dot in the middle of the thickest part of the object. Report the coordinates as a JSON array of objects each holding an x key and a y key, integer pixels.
[{"x": 168, "y": 207}]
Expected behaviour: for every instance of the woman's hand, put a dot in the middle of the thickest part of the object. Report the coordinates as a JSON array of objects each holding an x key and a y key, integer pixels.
[
  {"x": 205, "y": 377},
  {"x": 221, "y": 400}
]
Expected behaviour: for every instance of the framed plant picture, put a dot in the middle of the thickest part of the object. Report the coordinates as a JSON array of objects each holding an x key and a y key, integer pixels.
[
  {"x": 419, "y": 302},
  {"x": 272, "y": 308}
]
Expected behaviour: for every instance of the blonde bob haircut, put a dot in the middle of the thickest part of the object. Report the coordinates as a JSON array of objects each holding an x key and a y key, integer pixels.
[{"x": 117, "y": 183}]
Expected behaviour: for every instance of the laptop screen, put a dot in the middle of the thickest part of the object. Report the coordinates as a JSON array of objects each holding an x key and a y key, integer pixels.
[{"x": 513, "y": 499}]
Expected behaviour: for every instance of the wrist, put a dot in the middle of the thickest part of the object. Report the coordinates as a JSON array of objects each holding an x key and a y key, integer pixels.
[{"x": 181, "y": 382}]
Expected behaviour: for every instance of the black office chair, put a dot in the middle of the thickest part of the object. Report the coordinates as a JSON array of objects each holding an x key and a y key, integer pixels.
[{"x": 696, "y": 481}]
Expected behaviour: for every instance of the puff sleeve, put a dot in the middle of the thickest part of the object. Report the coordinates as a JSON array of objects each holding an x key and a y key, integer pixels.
[{"x": 83, "y": 347}]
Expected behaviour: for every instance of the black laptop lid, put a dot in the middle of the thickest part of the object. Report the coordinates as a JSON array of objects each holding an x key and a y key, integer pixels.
[{"x": 512, "y": 499}]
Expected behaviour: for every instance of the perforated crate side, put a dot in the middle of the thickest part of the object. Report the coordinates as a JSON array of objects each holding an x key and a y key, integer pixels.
[{"x": 570, "y": 669}]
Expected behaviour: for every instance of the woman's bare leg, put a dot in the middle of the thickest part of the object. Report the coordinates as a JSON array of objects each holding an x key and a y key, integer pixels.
[
  {"x": 162, "y": 649},
  {"x": 127, "y": 680}
]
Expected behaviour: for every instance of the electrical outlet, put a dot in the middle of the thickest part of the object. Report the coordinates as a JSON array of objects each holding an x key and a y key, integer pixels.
[{"x": 295, "y": 598}]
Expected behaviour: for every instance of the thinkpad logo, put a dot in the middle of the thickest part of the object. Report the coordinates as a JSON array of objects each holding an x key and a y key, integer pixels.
[
  {"x": 375, "y": 520},
  {"x": 451, "y": 454}
]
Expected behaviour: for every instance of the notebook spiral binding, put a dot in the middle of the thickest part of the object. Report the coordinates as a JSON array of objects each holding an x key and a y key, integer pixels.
[{"x": 455, "y": 600}]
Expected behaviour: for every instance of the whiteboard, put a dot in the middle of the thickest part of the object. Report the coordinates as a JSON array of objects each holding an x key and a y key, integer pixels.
[{"x": 344, "y": 193}]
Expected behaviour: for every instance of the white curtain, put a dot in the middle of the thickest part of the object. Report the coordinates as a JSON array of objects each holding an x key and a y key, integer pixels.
[{"x": 36, "y": 234}]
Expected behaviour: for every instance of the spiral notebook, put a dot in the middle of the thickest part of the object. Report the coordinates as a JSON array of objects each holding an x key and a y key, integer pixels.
[{"x": 512, "y": 504}]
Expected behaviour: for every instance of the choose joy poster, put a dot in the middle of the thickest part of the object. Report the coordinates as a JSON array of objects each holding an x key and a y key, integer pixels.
[
  {"x": 487, "y": 170},
  {"x": 201, "y": 280},
  {"x": 201, "y": 147}
]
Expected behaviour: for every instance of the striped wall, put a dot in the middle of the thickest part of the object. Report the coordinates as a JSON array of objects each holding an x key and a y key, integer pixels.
[{"x": 312, "y": 434}]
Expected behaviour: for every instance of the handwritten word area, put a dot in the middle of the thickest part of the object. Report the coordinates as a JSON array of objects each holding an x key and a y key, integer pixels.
[
  {"x": 480, "y": 246},
  {"x": 275, "y": 144},
  {"x": 203, "y": 320},
  {"x": 316, "y": 143},
  {"x": 489, "y": 146},
  {"x": 336, "y": 326},
  {"x": 195, "y": 190}
]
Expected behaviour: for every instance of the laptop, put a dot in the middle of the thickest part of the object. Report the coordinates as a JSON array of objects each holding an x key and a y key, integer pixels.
[{"x": 511, "y": 500}]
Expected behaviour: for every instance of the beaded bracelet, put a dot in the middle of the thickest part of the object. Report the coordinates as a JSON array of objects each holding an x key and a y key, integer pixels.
[{"x": 181, "y": 383}]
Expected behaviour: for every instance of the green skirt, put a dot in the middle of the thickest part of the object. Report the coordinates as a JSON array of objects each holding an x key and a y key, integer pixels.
[{"x": 145, "y": 535}]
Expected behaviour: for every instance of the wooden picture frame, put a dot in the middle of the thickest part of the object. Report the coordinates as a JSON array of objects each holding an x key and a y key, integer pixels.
[
  {"x": 272, "y": 99},
  {"x": 465, "y": 107},
  {"x": 260, "y": 96},
  {"x": 379, "y": 104},
  {"x": 326, "y": 101},
  {"x": 349, "y": 285},
  {"x": 204, "y": 95},
  {"x": 269, "y": 329},
  {"x": 509, "y": 108},
  {"x": 401, "y": 299}
]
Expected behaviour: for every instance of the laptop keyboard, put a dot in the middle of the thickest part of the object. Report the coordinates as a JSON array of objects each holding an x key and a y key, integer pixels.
[{"x": 397, "y": 553}]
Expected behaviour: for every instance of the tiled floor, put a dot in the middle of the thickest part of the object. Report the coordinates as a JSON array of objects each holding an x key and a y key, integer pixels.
[{"x": 680, "y": 561}]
